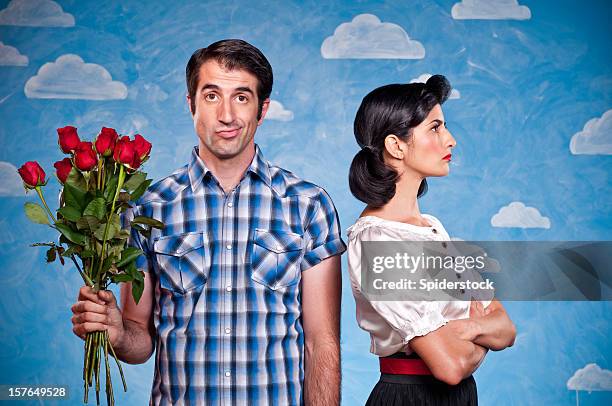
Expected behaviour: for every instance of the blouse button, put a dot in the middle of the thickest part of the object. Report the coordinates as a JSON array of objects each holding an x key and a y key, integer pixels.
[{"x": 434, "y": 231}]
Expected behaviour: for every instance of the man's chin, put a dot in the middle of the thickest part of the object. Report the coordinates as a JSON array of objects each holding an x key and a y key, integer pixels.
[{"x": 227, "y": 151}]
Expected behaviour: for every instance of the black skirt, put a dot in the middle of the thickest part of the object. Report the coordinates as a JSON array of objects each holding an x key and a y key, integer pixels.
[{"x": 421, "y": 390}]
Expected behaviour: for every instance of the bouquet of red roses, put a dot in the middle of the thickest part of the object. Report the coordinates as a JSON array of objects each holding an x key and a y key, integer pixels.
[{"x": 99, "y": 180}]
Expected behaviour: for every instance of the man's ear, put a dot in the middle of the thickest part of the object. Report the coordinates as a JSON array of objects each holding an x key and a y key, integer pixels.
[
  {"x": 189, "y": 104},
  {"x": 264, "y": 110}
]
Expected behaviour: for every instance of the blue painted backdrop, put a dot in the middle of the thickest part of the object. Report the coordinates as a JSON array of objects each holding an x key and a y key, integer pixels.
[{"x": 530, "y": 111}]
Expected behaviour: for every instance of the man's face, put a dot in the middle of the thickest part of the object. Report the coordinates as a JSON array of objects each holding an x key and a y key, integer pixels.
[{"x": 225, "y": 116}]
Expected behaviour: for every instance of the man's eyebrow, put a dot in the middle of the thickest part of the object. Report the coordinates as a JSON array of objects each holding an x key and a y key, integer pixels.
[
  {"x": 207, "y": 86},
  {"x": 245, "y": 89},
  {"x": 211, "y": 86}
]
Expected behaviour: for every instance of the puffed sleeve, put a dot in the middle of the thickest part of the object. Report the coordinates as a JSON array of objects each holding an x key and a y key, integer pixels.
[{"x": 408, "y": 318}]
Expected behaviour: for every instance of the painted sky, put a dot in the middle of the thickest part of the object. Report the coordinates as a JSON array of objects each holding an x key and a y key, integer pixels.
[{"x": 531, "y": 111}]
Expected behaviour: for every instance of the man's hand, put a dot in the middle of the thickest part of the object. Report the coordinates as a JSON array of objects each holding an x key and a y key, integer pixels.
[{"x": 97, "y": 312}]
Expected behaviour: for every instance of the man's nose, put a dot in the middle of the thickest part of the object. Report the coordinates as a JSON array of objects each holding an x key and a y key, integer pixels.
[{"x": 225, "y": 112}]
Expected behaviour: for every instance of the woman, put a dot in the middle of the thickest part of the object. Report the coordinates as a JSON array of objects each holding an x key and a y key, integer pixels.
[{"x": 428, "y": 349}]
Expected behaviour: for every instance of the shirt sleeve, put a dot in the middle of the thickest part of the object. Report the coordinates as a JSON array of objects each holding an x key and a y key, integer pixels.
[
  {"x": 408, "y": 318},
  {"x": 136, "y": 239},
  {"x": 322, "y": 234}
]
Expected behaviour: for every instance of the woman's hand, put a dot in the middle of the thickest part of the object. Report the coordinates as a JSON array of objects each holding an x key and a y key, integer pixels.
[{"x": 477, "y": 309}]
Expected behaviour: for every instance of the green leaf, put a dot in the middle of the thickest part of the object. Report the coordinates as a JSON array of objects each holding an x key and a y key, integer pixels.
[
  {"x": 87, "y": 254},
  {"x": 110, "y": 188},
  {"x": 70, "y": 213},
  {"x": 128, "y": 255},
  {"x": 70, "y": 234},
  {"x": 73, "y": 249},
  {"x": 107, "y": 263},
  {"x": 137, "y": 289},
  {"x": 113, "y": 229},
  {"x": 90, "y": 223},
  {"x": 145, "y": 232},
  {"x": 134, "y": 181},
  {"x": 74, "y": 197},
  {"x": 140, "y": 190},
  {"x": 36, "y": 213},
  {"x": 121, "y": 278},
  {"x": 76, "y": 180},
  {"x": 123, "y": 234},
  {"x": 148, "y": 221},
  {"x": 96, "y": 208}
]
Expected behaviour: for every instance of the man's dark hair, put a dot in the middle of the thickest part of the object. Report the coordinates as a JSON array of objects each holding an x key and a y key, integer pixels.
[{"x": 232, "y": 54}]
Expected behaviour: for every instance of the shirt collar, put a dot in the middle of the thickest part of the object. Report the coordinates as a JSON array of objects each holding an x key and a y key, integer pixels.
[{"x": 198, "y": 170}]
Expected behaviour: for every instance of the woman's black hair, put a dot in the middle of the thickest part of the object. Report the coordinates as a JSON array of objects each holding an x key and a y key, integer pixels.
[{"x": 391, "y": 109}]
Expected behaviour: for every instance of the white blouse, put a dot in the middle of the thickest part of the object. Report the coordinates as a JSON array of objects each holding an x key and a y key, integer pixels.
[{"x": 392, "y": 324}]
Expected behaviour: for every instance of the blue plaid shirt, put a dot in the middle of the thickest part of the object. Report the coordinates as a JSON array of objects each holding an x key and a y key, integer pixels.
[{"x": 227, "y": 270}]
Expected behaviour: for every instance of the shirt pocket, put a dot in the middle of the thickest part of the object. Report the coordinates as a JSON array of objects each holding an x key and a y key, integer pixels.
[
  {"x": 276, "y": 257},
  {"x": 183, "y": 261}
]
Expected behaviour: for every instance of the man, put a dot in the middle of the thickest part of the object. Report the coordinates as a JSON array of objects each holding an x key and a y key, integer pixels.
[{"x": 242, "y": 286}]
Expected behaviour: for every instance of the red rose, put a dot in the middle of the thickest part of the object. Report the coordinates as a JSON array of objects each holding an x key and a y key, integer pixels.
[
  {"x": 125, "y": 152},
  {"x": 105, "y": 143},
  {"x": 142, "y": 146},
  {"x": 68, "y": 138},
  {"x": 63, "y": 169},
  {"x": 32, "y": 175},
  {"x": 85, "y": 157}
]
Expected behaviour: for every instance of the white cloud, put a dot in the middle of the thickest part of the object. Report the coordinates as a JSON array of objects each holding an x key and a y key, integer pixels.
[
  {"x": 35, "y": 13},
  {"x": 11, "y": 184},
  {"x": 366, "y": 37},
  {"x": 516, "y": 214},
  {"x": 490, "y": 10},
  {"x": 10, "y": 56},
  {"x": 454, "y": 94},
  {"x": 69, "y": 77},
  {"x": 591, "y": 377},
  {"x": 149, "y": 92},
  {"x": 595, "y": 138},
  {"x": 277, "y": 111}
]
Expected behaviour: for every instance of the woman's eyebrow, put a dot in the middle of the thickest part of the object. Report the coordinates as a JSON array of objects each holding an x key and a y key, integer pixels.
[{"x": 439, "y": 122}]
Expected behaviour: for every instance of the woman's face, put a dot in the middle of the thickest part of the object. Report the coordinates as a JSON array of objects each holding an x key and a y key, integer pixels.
[{"x": 428, "y": 151}]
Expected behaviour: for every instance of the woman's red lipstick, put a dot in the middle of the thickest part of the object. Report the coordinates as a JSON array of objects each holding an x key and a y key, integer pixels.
[{"x": 447, "y": 158}]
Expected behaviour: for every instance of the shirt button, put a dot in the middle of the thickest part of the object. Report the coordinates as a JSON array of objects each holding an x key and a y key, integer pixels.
[
  {"x": 228, "y": 330},
  {"x": 228, "y": 246},
  {"x": 228, "y": 288},
  {"x": 227, "y": 374},
  {"x": 230, "y": 204}
]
